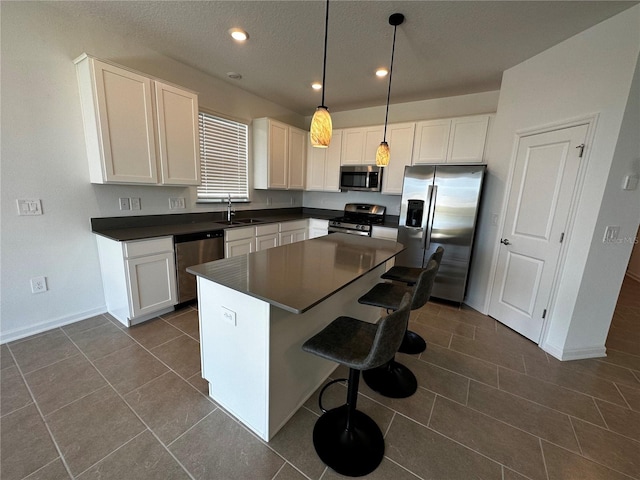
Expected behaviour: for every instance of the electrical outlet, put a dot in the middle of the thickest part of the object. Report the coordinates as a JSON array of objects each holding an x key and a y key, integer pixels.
[
  {"x": 38, "y": 284},
  {"x": 135, "y": 203},
  {"x": 125, "y": 203},
  {"x": 269, "y": 201},
  {"x": 29, "y": 207},
  {"x": 176, "y": 203},
  {"x": 228, "y": 316}
]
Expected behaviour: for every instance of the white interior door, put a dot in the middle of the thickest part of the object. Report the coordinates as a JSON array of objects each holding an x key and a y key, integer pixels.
[{"x": 542, "y": 187}]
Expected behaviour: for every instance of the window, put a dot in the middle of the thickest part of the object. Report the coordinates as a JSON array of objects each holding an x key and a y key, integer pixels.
[{"x": 224, "y": 159}]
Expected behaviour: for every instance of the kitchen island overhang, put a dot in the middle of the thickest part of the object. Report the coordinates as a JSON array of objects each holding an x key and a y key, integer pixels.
[{"x": 256, "y": 310}]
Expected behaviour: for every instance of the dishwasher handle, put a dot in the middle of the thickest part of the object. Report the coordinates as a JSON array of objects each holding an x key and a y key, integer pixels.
[{"x": 192, "y": 237}]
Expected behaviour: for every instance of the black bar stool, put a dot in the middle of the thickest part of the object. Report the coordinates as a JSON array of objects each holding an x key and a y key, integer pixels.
[
  {"x": 394, "y": 379},
  {"x": 346, "y": 439},
  {"x": 412, "y": 343}
]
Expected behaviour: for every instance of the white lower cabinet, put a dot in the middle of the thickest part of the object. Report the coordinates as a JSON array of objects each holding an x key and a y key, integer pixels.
[
  {"x": 318, "y": 228},
  {"x": 139, "y": 278},
  {"x": 239, "y": 241},
  {"x": 295, "y": 231},
  {"x": 266, "y": 236}
]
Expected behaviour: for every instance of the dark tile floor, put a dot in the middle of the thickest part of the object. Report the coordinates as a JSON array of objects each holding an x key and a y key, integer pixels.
[{"x": 95, "y": 400}]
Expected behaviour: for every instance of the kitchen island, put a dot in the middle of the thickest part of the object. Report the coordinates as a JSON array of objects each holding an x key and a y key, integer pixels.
[{"x": 257, "y": 310}]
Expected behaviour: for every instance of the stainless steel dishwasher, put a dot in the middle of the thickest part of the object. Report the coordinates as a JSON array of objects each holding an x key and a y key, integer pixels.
[{"x": 194, "y": 249}]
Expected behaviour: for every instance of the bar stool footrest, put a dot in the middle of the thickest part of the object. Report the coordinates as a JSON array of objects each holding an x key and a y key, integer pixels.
[{"x": 355, "y": 452}]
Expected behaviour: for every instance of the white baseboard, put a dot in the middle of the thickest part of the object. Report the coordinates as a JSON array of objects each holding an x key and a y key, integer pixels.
[
  {"x": 633, "y": 276},
  {"x": 19, "y": 333},
  {"x": 574, "y": 353}
]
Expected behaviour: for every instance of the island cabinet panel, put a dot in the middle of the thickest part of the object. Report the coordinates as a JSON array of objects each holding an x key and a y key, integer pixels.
[
  {"x": 136, "y": 126},
  {"x": 279, "y": 155},
  {"x": 251, "y": 351}
]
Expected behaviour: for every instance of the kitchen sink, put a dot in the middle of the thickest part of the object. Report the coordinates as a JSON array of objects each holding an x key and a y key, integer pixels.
[
  {"x": 231, "y": 222},
  {"x": 249, "y": 220}
]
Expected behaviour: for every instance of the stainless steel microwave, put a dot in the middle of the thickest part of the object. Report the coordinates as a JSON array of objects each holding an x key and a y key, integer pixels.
[{"x": 363, "y": 178}]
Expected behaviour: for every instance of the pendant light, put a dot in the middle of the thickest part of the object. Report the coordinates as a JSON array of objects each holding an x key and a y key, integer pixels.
[
  {"x": 321, "y": 127},
  {"x": 383, "y": 154}
]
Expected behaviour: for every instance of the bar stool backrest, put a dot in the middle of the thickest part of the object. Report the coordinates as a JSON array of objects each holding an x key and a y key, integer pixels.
[
  {"x": 424, "y": 285},
  {"x": 389, "y": 335},
  {"x": 437, "y": 255}
]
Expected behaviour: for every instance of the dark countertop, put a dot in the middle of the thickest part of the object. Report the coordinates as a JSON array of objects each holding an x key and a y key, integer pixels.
[
  {"x": 148, "y": 226},
  {"x": 292, "y": 277}
]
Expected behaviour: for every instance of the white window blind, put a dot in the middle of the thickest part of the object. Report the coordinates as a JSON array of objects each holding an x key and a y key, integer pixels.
[{"x": 223, "y": 158}]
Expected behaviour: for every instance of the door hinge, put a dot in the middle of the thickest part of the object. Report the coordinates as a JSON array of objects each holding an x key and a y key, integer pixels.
[
  {"x": 581, "y": 147},
  {"x": 544, "y": 314},
  {"x": 561, "y": 237}
]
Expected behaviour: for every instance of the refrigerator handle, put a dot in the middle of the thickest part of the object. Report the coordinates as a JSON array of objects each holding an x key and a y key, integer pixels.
[{"x": 432, "y": 194}]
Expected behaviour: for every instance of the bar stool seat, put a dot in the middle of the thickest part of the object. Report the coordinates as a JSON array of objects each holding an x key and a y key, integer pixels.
[
  {"x": 412, "y": 342},
  {"x": 409, "y": 275},
  {"x": 346, "y": 439},
  {"x": 394, "y": 379}
]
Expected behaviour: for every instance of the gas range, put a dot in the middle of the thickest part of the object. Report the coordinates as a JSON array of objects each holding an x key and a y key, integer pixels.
[{"x": 358, "y": 219}]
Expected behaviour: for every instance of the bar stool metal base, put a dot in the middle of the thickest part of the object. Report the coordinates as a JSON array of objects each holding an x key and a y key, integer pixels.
[
  {"x": 392, "y": 380},
  {"x": 412, "y": 343},
  {"x": 354, "y": 451}
]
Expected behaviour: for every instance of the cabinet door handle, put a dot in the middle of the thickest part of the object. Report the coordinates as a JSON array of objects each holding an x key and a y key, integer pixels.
[{"x": 505, "y": 241}]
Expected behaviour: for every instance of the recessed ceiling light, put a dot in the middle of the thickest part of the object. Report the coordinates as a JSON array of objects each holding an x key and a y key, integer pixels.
[
  {"x": 316, "y": 85},
  {"x": 238, "y": 34},
  {"x": 234, "y": 75},
  {"x": 382, "y": 72}
]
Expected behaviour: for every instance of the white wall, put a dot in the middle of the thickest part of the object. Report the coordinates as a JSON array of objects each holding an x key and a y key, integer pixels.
[
  {"x": 43, "y": 156},
  {"x": 590, "y": 73}
]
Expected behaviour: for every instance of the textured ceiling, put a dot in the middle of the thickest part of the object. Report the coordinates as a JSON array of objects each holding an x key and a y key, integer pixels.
[{"x": 443, "y": 48}]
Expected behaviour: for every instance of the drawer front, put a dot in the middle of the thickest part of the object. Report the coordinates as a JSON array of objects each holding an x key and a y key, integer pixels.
[
  {"x": 152, "y": 246},
  {"x": 231, "y": 234},
  {"x": 295, "y": 225},
  {"x": 267, "y": 229}
]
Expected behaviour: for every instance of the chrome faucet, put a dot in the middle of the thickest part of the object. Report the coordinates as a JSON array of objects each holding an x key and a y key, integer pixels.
[{"x": 229, "y": 212}]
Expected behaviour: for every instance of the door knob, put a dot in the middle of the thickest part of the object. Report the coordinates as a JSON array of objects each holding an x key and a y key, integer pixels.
[{"x": 505, "y": 241}]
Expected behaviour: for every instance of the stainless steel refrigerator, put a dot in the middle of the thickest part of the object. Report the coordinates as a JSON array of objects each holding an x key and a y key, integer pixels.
[{"x": 439, "y": 208}]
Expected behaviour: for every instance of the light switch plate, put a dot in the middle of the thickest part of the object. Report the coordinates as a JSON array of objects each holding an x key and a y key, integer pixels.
[
  {"x": 31, "y": 206},
  {"x": 611, "y": 233},
  {"x": 125, "y": 203},
  {"x": 135, "y": 203},
  {"x": 630, "y": 182}
]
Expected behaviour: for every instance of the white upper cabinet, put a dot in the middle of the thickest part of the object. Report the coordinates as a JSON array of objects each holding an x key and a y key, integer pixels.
[
  {"x": 451, "y": 140},
  {"x": 359, "y": 145},
  {"x": 279, "y": 155},
  {"x": 323, "y": 165},
  {"x": 431, "y": 141},
  {"x": 400, "y": 139},
  {"x": 467, "y": 139},
  {"x": 125, "y": 132},
  {"x": 178, "y": 136}
]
